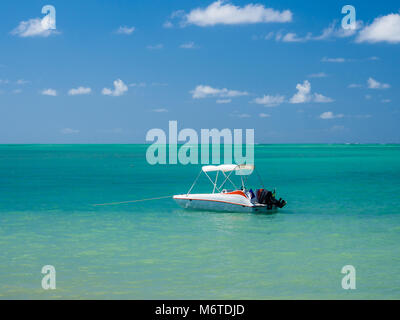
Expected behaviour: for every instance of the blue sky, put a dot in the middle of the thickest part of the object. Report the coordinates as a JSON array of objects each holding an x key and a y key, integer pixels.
[{"x": 285, "y": 68}]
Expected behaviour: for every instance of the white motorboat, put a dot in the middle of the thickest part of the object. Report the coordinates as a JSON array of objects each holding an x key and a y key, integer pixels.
[{"x": 235, "y": 200}]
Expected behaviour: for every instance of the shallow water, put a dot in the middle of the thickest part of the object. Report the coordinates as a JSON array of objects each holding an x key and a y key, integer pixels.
[{"x": 343, "y": 208}]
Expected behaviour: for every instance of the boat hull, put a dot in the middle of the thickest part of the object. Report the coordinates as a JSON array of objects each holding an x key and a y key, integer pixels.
[{"x": 221, "y": 203}]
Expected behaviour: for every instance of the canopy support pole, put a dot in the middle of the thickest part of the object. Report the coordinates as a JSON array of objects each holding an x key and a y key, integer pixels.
[
  {"x": 194, "y": 183},
  {"x": 216, "y": 181},
  {"x": 214, "y": 184},
  {"x": 227, "y": 178}
]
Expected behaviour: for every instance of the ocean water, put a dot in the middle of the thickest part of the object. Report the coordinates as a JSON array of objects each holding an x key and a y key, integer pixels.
[{"x": 343, "y": 209}]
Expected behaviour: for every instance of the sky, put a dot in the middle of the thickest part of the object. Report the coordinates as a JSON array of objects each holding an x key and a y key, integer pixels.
[{"x": 111, "y": 71}]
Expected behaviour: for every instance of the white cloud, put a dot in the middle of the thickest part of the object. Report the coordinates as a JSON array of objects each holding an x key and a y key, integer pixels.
[
  {"x": 264, "y": 115},
  {"x": 139, "y": 85},
  {"x": 17, "y": 91},
  {"x": 69, "y": 131},
  {"x": 221, "y": 12},
  {"x": 334, "y": 60},
  {"x": 330, "y": 115},
  {"x": 339, "y": 32},
  {"x": 188, "y": 45},
  {"x": 224, "y": 101},
  {"x": 318, "y": 75},
  {"x": 155, "y": 47},
  {"x": 342, "y": 60},
  {"x": 328, "y": 33},
  {"x": 240, "y": 115},
  {"x": 168, "y": 24},
  {"x": 4, "y": 81},
  {"x": 304, "y": 95},
  {"x": 22, "y": 82},
  {"x": 336, "y": 128},
  {"x": 49, "y": 92},
  {"x": 269, "y": 36},
  {"x": 386, "y": 101},
  {"x": 270, "y": 101},
  {"x": 119, "y": 89},
  {"x": 79, "y": 91},
  {"x": 382, "y": 29},
  {"x": 202, "y": 91},
  {"x": 35, "y": 28},
  {"x": 125, "y": 30},
  {"x": 319, "y": 98},
  {"x": 160, "y": 110},
  {"x": 278, "y": 36},
  {"x": 175, "y": 15},
  {"x": 373, "y": 84},
  {"x": 292, "y": 37}
]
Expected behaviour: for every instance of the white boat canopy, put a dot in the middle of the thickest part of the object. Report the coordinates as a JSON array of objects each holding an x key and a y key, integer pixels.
[{"x": 228, "y": 168}]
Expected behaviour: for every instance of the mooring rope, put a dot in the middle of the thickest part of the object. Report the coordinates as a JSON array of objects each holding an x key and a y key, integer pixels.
[{"x": 132, "y": 201}]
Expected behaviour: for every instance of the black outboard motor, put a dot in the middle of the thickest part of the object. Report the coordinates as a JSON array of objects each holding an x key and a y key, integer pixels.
[
  {"x": 266, "y": 197},
  {"x": 281, "y": 203}
]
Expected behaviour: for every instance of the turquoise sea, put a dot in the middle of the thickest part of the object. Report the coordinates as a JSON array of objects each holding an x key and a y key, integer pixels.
[{"x": 343, "y": 209}]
